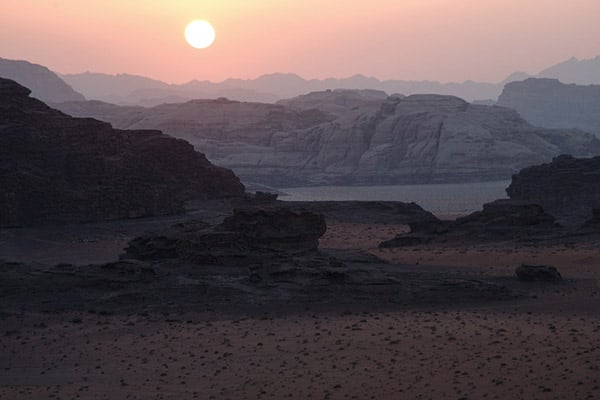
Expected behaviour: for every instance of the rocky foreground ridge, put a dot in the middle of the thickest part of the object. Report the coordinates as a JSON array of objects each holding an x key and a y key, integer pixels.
[
  {"x": 55, "y": 168},
  {"x": 552, "y": 104},
  {"x": 255, "y": 257},
  {"x": 354, "y": 137}
]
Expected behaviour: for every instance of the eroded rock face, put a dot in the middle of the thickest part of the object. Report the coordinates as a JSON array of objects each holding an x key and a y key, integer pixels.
[
  {"x": 57, "y": 169},
  {"x": 356, "y": 137},
  {"x": 552, "y": 104},
  {"x": 567, "y": 187},
  {"x": 538, "y": 273}
]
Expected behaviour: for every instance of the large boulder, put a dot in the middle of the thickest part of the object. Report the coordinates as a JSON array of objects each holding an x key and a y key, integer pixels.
[
  {"x": 568, "y": 187},
  {"x": 58, "y": 169}
]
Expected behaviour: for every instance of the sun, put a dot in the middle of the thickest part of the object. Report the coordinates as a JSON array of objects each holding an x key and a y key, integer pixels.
[{"x": 200, "y": 34}]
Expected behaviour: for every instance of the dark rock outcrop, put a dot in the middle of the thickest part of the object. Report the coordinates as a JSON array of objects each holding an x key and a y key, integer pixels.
[
  {"x": 55, "y": 168},
  {"x": 44, "y": 84},
  {"x": 538, "y": 273},
  {"x": 355, "y": 138},
  {"x": 568, "y": 187},
  {"x": 249, "y": 235},
  {"x": 500, "y": 220},
  {"x": 256, "y": 246},
  {"x": 552, "y": 104}
]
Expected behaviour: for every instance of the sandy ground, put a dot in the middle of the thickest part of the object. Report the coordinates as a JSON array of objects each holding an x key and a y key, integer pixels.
[{"x": 546, "y": 347}]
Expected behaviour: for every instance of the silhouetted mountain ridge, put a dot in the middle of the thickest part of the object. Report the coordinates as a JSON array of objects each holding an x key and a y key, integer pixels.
[{"x": 44, "y": 84}]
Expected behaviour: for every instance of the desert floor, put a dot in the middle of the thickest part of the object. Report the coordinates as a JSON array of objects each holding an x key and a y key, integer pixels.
[{"x": 543, "y": 347}]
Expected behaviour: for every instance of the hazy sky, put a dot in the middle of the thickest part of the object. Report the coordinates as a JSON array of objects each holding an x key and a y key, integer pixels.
[{"x": 447, "y": 40}]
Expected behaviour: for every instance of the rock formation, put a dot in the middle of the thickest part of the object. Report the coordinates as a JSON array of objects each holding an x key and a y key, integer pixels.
[
  {"x": 552, "y": 104},
  {"x": 44, "y": 84},
  {"x": 249, "y": 236},
  {"x": 55, "y": 168},
  {"x": 567, "y": 187},
  {"x": 360, "y": 138}
]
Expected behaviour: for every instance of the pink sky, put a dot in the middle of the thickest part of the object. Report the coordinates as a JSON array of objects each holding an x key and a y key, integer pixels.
[{"x": 446, "y": 40}]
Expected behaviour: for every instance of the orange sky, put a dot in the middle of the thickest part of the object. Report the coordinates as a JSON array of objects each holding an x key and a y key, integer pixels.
[{"x": 447, "y": 40}]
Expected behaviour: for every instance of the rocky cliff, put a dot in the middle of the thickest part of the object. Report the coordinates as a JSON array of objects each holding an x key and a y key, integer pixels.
[
  {"x": 355, "y": 137},
  {"x": 552, "y": 104},
  {"x": 567, "y": 187},
  {"x": 44, "y": 84},
  {"x": 55, "y": 168}
]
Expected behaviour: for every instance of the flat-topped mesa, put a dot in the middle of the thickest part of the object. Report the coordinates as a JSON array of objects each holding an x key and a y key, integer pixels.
[
  {"x": 567, "y": 187},
  {"x": 58, "y": 169}
]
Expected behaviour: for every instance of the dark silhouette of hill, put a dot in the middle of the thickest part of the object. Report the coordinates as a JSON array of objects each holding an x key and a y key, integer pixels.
[{"x": 58, "y": 169}]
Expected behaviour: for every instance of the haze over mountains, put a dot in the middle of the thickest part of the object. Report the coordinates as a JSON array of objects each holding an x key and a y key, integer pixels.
[
  {"x": 44, "y": 84},
  {"x": 127, "y": 89},
  {"x": 137, "y": 90},
  {"x": 341, "y": 136},
  {"x": 552, "y": 104}
]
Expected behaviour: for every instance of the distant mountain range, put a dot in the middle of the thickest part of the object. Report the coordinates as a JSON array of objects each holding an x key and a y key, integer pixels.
[
  {"x": 126, "y": 89},
  {"x": 44, "y": 84},
  {"x": 137, "y": 90},
  {"x": 581, "y": 72},
  {"x": 552, "y": 104}
]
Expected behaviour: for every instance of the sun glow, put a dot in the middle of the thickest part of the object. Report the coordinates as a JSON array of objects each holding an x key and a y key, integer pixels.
[{"x": 200, "y": 34}]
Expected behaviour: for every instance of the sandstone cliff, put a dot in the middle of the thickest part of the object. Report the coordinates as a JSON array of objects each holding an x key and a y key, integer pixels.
[
  {"x": 552, "y": 104},
  {"x": 44, "y": 84},
  {"x": 356, "y": 137},
  {"x": 55, "y": 168},
  {"x": 567, "y": 187}
]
